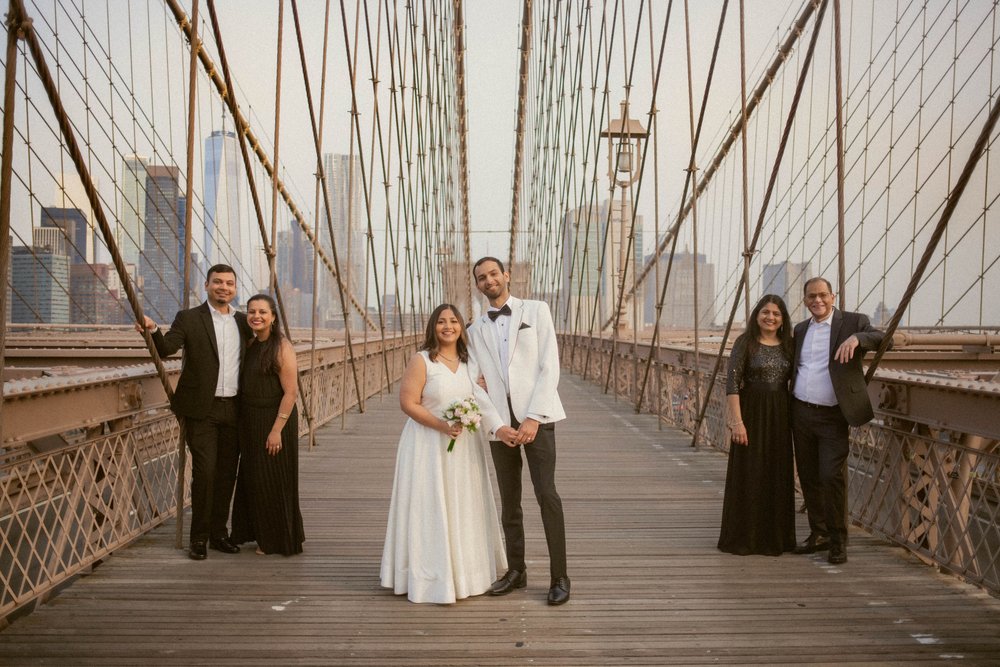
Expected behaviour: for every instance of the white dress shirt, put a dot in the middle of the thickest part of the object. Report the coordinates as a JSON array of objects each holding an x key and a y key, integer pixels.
[
  {"x": 227, "y": 335},
  {"x": 501, "y": 329},
  {"x": 812, "y": 377}
]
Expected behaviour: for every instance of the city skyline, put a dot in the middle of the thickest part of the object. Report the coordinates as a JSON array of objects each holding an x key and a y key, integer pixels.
[{"x": 886, "y": 197}]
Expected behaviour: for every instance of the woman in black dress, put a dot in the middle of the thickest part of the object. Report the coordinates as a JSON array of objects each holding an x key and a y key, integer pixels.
[
  {"x": 266, "y": 507},
  {"x": 758, "y": 512}
]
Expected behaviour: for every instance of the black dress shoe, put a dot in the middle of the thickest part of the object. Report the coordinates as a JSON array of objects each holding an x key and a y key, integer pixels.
[
  {"x": 197, "y": 551},
  {"x": 838, "y": 555},
  {"x": 559, "y": 593},
  {"x": 812, "y": 544},
  {"x": 224, "y": 545},
  {"x": 508, "y": 582}
]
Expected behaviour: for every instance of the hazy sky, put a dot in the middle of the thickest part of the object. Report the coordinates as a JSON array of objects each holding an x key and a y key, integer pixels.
[{"x": 908, "y": 109}]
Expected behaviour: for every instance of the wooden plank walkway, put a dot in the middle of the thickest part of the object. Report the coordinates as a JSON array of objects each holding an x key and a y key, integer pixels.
[{"x": 649, "y": 587}]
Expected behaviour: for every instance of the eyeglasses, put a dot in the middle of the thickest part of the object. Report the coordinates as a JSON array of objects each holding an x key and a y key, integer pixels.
[{"x": 822, "y": 296}]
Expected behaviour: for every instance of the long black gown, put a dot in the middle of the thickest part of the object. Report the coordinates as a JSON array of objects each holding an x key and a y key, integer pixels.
[
  {"x": 758, "y": 512},
  {"x": 266, "y": 504}
]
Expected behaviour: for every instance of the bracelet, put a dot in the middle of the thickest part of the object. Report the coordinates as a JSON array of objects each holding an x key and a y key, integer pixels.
[
  {"x": 282, "y": 415},
  {"x": 734, "y": 424}
]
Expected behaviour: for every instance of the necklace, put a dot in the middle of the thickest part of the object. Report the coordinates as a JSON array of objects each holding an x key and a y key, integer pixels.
[{"x": 448, "y": 358}]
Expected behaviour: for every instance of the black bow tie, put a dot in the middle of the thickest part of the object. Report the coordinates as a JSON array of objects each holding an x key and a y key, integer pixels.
[{"x": 494, "y": 314}]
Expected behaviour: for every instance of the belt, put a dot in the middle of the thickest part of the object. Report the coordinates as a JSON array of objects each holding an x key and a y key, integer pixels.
[
  {"x": 816, "y": 405},
  {"x": 225, "y": 398}
]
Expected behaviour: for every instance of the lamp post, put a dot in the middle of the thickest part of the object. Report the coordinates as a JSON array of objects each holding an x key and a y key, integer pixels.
[{"x": 625, "y": 136}]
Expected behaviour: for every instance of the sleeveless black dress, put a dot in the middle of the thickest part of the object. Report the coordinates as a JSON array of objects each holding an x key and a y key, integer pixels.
[
  {"x": 266, "y": 503},
  {"x": 758, "y": 511}
]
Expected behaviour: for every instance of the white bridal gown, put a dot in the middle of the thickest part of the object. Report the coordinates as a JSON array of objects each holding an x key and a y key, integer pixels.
[{"x": 442, "y": 542}]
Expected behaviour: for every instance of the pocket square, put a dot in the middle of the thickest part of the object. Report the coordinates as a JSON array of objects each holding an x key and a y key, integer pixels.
[{"x": 524, "y": 325}]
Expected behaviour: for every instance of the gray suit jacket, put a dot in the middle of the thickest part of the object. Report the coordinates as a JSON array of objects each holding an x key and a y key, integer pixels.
[{"x": 848, "y": 379}]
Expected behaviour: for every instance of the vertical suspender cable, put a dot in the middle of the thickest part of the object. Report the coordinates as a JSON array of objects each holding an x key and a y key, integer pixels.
[
  {"x": 654, "y": 123},
  {"x": 747, "y": 256},
  {"x": 188, "y": 242},
  {"x": 326, "y": 198},
  {"x": 693, "y": 175},
  {"x": 841, "y": 262},
  {"x": 6, "y": 173},
  {"x": 273, "y": 281},
  {"x": 522, "y": 92},
  {"x": 316, "y": 225}
]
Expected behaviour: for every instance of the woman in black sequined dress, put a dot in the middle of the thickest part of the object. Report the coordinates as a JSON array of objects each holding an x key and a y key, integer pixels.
[{"x": 758, "y": 512}]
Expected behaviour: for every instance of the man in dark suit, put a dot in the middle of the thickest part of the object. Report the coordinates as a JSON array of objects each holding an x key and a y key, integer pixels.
[
  {"x": 830, "y": 396},
  {"x": 213, "y": 337}
]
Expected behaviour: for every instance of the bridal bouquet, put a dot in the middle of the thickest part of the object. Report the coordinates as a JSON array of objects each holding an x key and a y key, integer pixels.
[{"x": 466, "y": 412}]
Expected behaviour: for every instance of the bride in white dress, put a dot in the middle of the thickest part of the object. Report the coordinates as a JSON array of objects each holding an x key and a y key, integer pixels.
[{"x": 442, "y": 542}]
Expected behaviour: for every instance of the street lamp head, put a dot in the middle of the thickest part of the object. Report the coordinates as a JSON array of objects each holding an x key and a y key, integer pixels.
[
  {"x": 623, "y": 163},
  {"x": 624, "y": 129},
  {"x": 625, "y": 136}
]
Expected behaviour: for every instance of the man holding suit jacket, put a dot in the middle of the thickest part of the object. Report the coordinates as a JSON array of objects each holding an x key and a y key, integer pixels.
[
  {"x": 213, "y": 336},
  {"x": 828, "y": 385},
  {"x": 514, "y": 348}
]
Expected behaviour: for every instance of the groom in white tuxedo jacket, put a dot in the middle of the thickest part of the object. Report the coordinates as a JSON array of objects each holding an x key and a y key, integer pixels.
[{"x": 513, "y": 348}]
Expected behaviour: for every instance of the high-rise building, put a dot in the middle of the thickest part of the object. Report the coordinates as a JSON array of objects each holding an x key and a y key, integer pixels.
[
  {"x": 581, "y": 254},
  {"x": 678, "y": 302},
  {"x": 347, "y": 213},
  {"x": 882, "y": 315},
  {"x": 159, "y": 267},
  {"x": 131, "y": 230},
  {"x": 96, "y": 293},
  {"x": 70, "y": 194},
  {"x": 52, "y": 238},
  {"x": 586, "y": 230},
  {"x": 39, "y": 285},
  {"x": 295, "y": 282},
  {"x": 787, "y": 280},
  {"x": 301, "y": 269},
  {"x": 229, "y": 237},
  {"x": 74, "y": 227}
]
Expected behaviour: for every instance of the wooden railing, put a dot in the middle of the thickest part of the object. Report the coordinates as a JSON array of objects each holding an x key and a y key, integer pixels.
[
  {"x": 925, "y": 474},
  {"x": 89, "y": 462}
]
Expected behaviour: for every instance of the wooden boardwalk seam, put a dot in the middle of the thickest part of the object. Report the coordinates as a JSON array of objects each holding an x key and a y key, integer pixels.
[{"x": 649, "y": 587}]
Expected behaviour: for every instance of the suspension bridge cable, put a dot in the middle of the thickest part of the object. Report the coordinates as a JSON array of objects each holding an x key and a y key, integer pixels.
[
  {"x": 522, "y": 89},
  {"x": 326, "y": 198}
]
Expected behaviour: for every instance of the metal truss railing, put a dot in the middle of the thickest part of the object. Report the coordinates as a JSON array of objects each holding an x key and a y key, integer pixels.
[
  {"x": 925, "y": 474},
  {"x": 937, "y": 497},
  {"x": 71, "y": 497}
]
